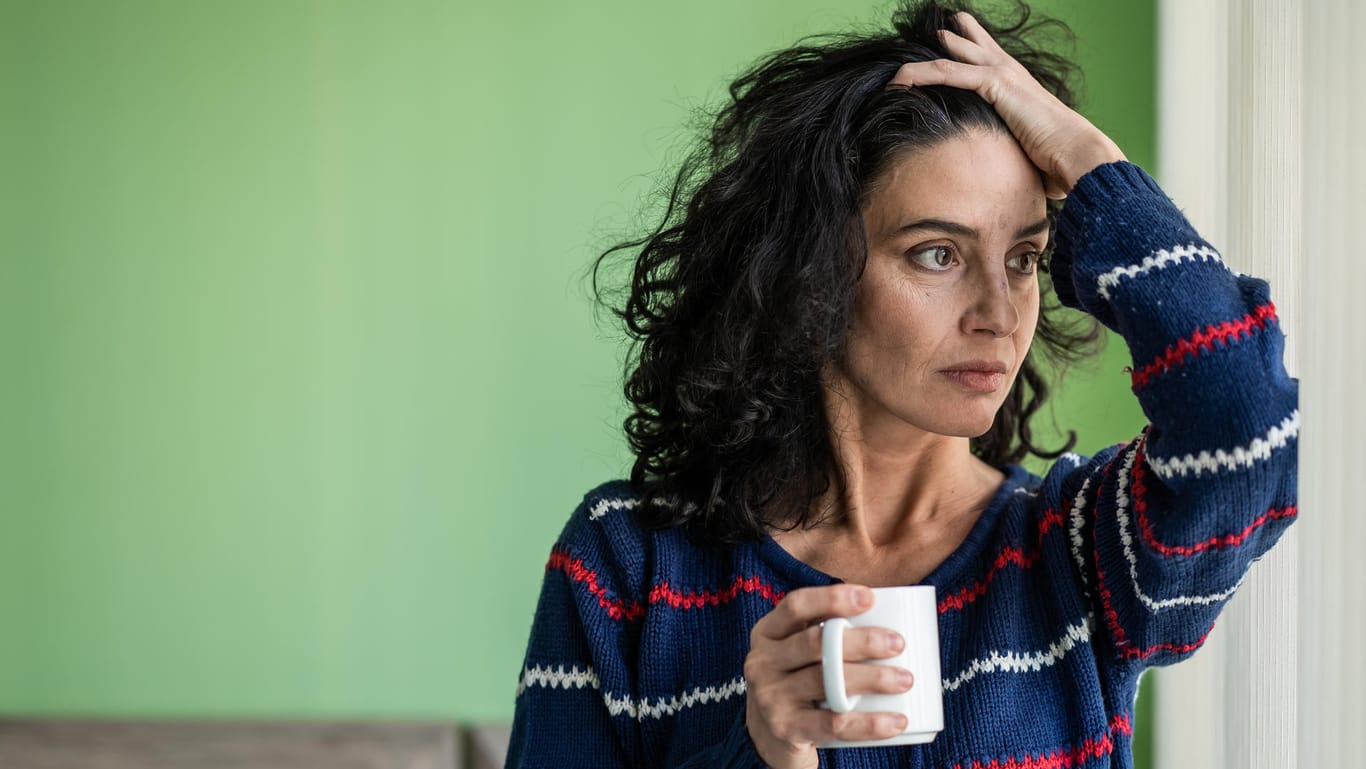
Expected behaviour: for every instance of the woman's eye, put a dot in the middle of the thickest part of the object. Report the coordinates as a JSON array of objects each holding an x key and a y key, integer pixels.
[
  {"x": 1026, "y": 262},
  {"x": 937, "y": 258}
]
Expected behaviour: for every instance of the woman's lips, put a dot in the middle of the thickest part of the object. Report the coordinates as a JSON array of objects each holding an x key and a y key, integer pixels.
[
  {"x": 977, "y": 381},
  {"x": 983, "y": 375}
]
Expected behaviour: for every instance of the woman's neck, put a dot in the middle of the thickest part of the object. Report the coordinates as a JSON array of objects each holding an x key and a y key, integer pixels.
[{"x": 896, "y": 480}]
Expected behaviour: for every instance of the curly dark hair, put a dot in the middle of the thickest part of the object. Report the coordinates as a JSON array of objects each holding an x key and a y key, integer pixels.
[{"x": 744, "y": 292}]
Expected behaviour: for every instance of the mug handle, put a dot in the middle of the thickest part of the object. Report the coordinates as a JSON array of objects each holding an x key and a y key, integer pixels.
[{"x": 832, "y": 665}]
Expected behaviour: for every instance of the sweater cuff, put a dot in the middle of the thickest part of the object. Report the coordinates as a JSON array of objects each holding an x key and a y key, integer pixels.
[
  {"x": 1114, "y": 216},
  {"x": 1108, "y": 184}
]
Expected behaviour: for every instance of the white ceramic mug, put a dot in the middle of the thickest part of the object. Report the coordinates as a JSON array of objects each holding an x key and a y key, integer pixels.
[{"x": 912, "y": 612}]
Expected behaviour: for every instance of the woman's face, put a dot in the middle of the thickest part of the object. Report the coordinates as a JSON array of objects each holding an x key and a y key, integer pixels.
[{"x": 949, "y": 299}]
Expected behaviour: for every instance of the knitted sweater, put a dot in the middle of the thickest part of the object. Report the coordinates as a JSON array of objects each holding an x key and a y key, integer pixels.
[{"x": 1066, "y": 589}]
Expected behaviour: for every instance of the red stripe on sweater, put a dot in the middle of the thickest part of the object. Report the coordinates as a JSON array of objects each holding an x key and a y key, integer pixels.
[
  {"x": 1174, "y": 648},
  {"x": 1111, "y": 616},
  {"x": 1108, "y": 608},
  {"x": 1090, "y": 749},
  {"x": 1204, "y": 341},
  {"x": 1007, "y": 556},
  {"x": 1140, "y": 489},
  {"x": 663, "y": 593},
  {"x": 616, "y": 608},
  {"x": 978, "y": 588},
  {"x": 1051, "y": 518},
  {"x": 1106, "y": 601}
]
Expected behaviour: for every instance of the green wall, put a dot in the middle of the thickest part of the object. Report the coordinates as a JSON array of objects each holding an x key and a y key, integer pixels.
[{"x": 300, "y": 376}]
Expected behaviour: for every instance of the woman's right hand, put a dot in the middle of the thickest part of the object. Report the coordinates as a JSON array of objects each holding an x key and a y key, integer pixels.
[
  {"x": 784, "y": 684},
  {"x": 1062, "y": 143}
]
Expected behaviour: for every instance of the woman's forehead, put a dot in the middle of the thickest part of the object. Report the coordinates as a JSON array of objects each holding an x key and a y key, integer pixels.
[{"x": 981, "y": 180}]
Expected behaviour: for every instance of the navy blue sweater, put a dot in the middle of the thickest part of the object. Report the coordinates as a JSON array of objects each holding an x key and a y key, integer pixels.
[{"x": 1066, "y": 589}]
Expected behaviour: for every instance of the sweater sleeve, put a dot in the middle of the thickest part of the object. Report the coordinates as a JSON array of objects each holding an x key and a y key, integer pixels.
[
  {"x": 577, "y": 697},
  {"x": 1164, "y": 528}
]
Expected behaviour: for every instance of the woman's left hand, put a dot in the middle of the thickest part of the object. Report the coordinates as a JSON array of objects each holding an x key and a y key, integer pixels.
[{"x": 1063, "y": 144}]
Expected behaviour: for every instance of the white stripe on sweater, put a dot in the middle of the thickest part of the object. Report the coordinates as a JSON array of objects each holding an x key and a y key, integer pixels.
[
  {"x": 1158, "y": 260},
  {"x": 1236, "y": 458},
  {"x": 1021, "y": 662},
  {"x": 1075, "y": 523},
  {"x": 602, "y": 506},
  {"x": 1127, "y": 540},
  {"x": 671, "y": 705},
  {"x": 559, "y": 678}
]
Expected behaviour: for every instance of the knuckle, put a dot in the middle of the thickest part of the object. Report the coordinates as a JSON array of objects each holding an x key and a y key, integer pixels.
[
  {"x": 946, "y": 66},
  {"x": 1007, "y": 79},
  {"x": 843, "y": 724},
  {"x": 754, "y": 667},
  {"x": 870, "y": 643},
  {"x": 796, "y": 602},
  {"x": 784, "y": 728},
  {"x": 1057, "y": 159},
  {"x": 765, "y": 702},
  {"x": 811, "y": 642}
]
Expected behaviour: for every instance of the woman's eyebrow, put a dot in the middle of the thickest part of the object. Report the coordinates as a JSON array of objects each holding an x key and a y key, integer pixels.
[
  {"x": 1037, "y": 228},
  {"x": 941, "y": 225},
  {"x": 954, "y": 228}
]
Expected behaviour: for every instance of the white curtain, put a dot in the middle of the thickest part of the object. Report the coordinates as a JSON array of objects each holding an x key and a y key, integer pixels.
[{"x": 1261, "y": 124}]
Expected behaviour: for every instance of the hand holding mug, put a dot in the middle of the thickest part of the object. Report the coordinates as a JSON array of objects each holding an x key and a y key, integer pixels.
[
  {"x": 785, "y": 682},
  {"x": 913, "y": 613}
]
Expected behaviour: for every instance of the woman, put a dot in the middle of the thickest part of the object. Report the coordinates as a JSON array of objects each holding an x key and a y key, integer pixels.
[{"x": 833, "y": 383}]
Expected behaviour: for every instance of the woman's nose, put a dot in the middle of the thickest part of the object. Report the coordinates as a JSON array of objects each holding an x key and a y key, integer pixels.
[{"x": 993, "y": 307}]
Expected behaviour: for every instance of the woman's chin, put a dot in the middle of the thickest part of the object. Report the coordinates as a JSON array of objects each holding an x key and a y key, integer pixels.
[{"x": 966, "y": 428}]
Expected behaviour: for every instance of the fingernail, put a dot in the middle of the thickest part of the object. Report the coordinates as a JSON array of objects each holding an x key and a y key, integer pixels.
[
  {"x": 905, "y": 677},
  {"x": 863, "y": 598},
  {"x": 895, "y": 642},
  {"x": 898, "y": 722}
]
